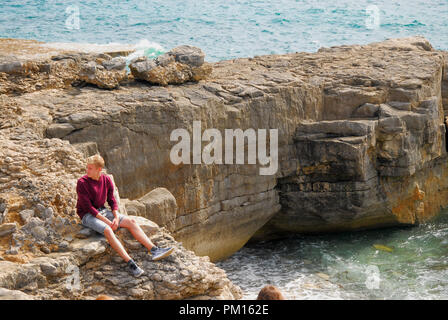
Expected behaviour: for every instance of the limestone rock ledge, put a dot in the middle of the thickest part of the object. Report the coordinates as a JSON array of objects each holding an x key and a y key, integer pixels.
[
  {"x": 27, "y": 66},
  {"x": 88, "y": 266},
  {"x": 361, "y": 144}
]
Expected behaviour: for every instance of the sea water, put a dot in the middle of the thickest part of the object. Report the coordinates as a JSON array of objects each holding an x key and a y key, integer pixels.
[
  {"x": 413, "y": 264},
  {"x": 225, "y": 29}
]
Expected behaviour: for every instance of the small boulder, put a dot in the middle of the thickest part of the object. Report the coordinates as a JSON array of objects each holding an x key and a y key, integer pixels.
[
  {"x": 26, "y": 215},
  {"x": 135, "y": 208},
  {"x": 7, "y": 228},
  {"x": 164, "y": 60},
  {"x": 181, "y": 64},
  {"x": 141, "y": 66},
  {"x": 47, "y": 213},
  {"x": 39, "y": 232},
  {"x": 189, "y": 55},
  {"x": 106, "y": 74},
  {"x": 161, "y": 207},
  {"x": 117, "y": 63}
]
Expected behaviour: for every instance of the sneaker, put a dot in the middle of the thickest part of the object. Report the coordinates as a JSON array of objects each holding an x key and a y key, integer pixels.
[
  {"x": 160, "y": 253},
  {"x": 135, "y": 269}
]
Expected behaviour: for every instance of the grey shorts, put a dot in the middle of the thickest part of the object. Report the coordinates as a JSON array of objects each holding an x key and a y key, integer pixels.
[{"x": 96, "y": 224}]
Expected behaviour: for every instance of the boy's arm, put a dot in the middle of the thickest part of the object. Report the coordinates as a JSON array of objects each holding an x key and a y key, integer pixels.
[
  {"x": 110, "y": 197},
  {"x": 104, "y": 219},
  {"x": 84, "y": 200}
]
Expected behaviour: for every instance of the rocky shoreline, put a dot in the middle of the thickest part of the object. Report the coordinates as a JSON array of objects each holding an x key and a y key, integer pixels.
[{"x": 361, "y": 144}]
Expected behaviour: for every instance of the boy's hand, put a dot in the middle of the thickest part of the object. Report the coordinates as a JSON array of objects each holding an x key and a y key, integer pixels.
[{"x": 114, "y": 224}]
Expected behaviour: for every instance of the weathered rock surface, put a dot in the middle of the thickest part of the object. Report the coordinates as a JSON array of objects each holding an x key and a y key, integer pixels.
[
  {"x": 377, "y": 161},
  {"x": 179, "y": 65},
  {"x": 60, "y": 259},
  {"x": 104, "y": 73},
  {"x": 159, "y": 205},
  {"x": 7, "y": 229},
  {"x": 42, "y": 245},
  {"x": 33, "y": 66},
  {"x": 6, "y": 294},
  {"x": 90, "y": 267},
  {"x": 445, "y": 83},
  {"x": 361, "y": 143}
]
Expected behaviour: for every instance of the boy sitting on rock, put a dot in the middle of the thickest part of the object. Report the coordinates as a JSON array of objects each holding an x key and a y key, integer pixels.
[{"x": 93, "y": 190}]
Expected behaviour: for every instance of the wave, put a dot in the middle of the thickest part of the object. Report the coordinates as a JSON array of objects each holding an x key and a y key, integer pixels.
[
  {"x": 90, "y": 47},
  {"x": 143, "y": 47},
  {"x": 146, "y": 48}
]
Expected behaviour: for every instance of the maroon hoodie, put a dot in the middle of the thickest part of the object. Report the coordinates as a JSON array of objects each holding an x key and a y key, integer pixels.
[{"x": 92, "y": 195}]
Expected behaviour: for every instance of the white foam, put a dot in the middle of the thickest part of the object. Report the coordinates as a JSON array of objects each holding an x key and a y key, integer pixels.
[
  {"x": 137, "y": 49},
  {"x": 141, "y": 46},
  {"x": 90, "y": 47}
]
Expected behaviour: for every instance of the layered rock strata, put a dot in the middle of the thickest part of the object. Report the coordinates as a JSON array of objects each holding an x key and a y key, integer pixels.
[{"x": 361, "y": 143}]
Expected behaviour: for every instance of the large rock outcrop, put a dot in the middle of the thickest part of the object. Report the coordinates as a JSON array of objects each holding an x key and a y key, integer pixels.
[
  {"x": 52, "y": 256},
  {"x": 377, "y": 156},
  {"x": 43, "y": 247},
  {"x": 361, "y": 142},
  {"x": 88, "y": 266}
]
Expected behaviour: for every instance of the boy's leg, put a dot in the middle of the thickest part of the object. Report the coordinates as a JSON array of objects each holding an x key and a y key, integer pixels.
[
  {"x": 136, "y": 231},
  {"x": 116, "y": 244},
  {"x": 118, "y": 247},
  {"x": 100, "y": 227},
  {"x": 156, "y": 252}
]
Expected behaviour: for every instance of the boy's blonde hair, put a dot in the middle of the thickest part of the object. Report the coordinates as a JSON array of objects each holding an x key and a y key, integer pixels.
[{"x": 97, "y": 160}]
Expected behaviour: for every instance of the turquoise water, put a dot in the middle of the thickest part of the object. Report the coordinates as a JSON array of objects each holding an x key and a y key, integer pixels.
[
  {"x": 228, "y": 28},
  {"x": 348, "y": 266},
  {"x": 343, "y": 266}
]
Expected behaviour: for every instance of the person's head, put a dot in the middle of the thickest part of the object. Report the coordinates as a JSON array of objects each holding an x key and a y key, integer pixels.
[
  {"x": 94, "y": 166},
  {"x": 104, "y": 297},
  {"x": 270, "y": 292}
]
